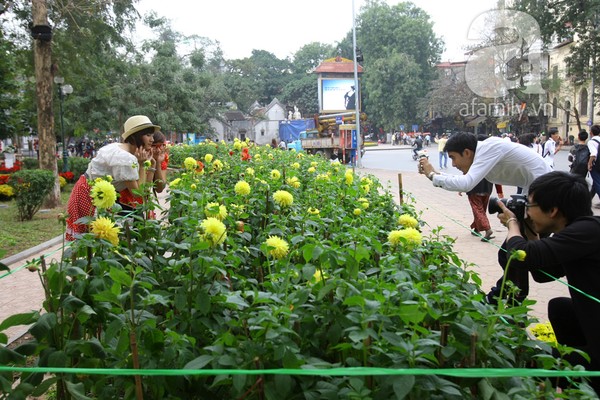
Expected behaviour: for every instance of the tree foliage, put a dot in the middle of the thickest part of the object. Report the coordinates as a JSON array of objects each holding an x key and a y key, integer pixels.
[
  {"x": 562, "y": 21},
  {"x": 399, "y": 48}
]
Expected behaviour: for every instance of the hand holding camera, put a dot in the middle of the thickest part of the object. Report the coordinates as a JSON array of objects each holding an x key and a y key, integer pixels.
[
  {"x": 507, "y": 208},
  {"x": 425, "y": 166}
]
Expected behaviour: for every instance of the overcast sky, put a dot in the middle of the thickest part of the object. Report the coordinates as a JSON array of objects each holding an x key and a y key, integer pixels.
[{"x": 283, "y": 26}]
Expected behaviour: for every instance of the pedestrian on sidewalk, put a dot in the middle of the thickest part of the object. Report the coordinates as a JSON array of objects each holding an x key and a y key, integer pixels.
[
  {"x": 499, "y": 161},
  {"x": 551, "y": 146},
  {"x": 571, "y": 251},
  {"x": 579, "y": 155},
  {"x": 593, "y": 164},
  {"x": 479, "y": 197},
  {"x": 443, "y": 155}
]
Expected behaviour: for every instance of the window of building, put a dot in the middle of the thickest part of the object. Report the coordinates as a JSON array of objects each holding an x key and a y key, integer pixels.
[
  {"x": 583, "y": 102},
  {"x": 555, "y": 73},
  {"x": 554, "y": 108}
]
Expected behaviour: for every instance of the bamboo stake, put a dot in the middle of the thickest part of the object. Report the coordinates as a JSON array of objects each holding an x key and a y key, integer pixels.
[{"x": 400, "y": 196}]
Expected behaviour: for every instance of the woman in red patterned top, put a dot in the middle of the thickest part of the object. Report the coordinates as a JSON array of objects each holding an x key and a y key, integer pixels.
[{"x": 124, "y": 162}]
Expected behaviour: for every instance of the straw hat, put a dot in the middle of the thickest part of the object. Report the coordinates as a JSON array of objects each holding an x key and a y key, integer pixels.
[{"x": 137, "y": 123}]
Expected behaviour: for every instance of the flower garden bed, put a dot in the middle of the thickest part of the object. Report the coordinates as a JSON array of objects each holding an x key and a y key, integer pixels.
[{"x": 271, "y": 260}]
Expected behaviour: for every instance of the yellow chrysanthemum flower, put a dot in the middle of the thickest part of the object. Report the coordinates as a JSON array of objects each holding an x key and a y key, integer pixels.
[
  {"x": 300, "y": 155},
  {"x": 314, "y": 163},
  {"x": 271, "y": 156},
  {"x": 250, "y": 171},
  {"x": 242, "y": 188},
  {"x": 283, "y": 198},
  {"x": 245, "y": 144},
  {"x": 296, "y": 165},
  {"x": 279, "y": 247},
  {"x": 103, "y": 194},
  {"x": 217, "y": 165},
  {"x": 349, "y": 177},
  {"x": 365, "y": 188},
  {"x": 357, "y": 211},
  {"x": 407, "y": 221},
  {"x": 313, "y": 211},
  {"x": 275, "y": 174},
  {"x": 257, "y": 157},
  {"x": 237, "y": 145},
  {"x": 544, "y": 332},
  {"x": 293, "y": 182},
  {"x": 311, "y": 170},
  {"x": 175, "y": 182},
  {"x": 190, "y": 163},
  {"x": 364, "y": 203},
  {"x": 208, "y": 157},
  {"x": 366, "y": 181},
  {"x": 193, "y": 186},
  {"x": 213, "y": 231},
  {"x": 216, "y": 210},
  {"x": 411, "y": 235},
  {"x": 104, "y": 228},
  {"x": 317, "y": 276},
  {"x": 322, "y": 178},
  {"x": 62, "y": 181}
]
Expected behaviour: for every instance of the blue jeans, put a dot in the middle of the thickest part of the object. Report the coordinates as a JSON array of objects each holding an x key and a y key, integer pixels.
[
  {"x": 595, "y": 182},
  {"x": 443, "y": 156}
]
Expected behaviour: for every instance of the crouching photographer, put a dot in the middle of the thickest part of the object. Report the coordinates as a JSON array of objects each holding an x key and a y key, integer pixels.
[
  {"x": 517, "y": 205},
  {"x": 558, "y": 204}
]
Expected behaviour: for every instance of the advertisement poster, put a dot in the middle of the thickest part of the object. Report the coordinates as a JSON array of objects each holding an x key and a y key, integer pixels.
[{"x": 338, "y": 94}]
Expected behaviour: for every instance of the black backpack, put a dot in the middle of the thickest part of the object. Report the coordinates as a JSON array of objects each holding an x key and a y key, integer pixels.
[{"x": 581, "y": 156}]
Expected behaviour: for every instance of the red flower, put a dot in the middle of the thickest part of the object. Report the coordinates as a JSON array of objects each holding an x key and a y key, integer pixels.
[
  {"x": 200, "y": 166},
  {"x": 68, "y": 176},
  {"x": 4, "y": 179},
  {"x": 230, "y": 153},
  {"x": 246, "y": 154}
]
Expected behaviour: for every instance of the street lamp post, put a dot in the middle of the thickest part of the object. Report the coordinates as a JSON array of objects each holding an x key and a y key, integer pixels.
[{"x": 62, "y": 91}]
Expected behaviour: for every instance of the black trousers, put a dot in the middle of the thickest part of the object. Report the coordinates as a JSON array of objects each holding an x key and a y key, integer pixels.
[
  {"x": 517, "y": 274},
  {"x": 568, "y": 332}
]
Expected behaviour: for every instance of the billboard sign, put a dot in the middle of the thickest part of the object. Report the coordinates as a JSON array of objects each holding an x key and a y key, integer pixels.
[{"x": 338, "y": 95}]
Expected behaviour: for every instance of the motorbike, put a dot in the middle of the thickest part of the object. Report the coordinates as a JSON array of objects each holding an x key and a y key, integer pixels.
[{"x": 419, "y": 154}]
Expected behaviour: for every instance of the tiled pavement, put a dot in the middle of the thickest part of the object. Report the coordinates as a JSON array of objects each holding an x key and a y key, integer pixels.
[{"x": 21, "y": 291}]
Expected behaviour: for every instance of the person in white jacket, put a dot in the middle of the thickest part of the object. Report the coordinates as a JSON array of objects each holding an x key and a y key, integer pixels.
[{"x": 500, "y": 162}]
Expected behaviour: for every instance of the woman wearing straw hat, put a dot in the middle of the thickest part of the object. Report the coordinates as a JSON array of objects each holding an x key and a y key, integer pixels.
[{"x": 124, "y": 162}]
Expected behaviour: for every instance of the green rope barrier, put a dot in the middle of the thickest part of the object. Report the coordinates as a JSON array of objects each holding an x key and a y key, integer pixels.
[
  {"x": 34, "y": 261},
  {"x": 571, "y": 287},
  {"x": 357, "y": 371},
  {"x": 500, "y": 248}
]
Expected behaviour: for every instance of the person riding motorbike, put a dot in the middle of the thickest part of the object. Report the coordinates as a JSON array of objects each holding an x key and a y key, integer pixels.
[{"x": 418, "y": 146}]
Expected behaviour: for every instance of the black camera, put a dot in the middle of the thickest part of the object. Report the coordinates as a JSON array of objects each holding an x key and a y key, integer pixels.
[{"x": 517, "y": 203}]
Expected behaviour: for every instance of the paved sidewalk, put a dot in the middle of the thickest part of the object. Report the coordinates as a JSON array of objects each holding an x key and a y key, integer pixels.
[
  {"x": 21, "y": 291},
  {"x": 452, "y": 212}
]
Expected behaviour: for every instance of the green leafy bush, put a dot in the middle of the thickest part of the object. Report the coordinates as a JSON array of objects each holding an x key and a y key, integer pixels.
[
  {"x": 276, "y": 260},
  {"x": 31, "y": 187},
  {"x": 77, "y": 165},
  {"x": 30, "y": 163}
]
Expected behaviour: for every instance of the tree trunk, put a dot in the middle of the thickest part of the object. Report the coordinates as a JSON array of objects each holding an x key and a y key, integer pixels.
[{"x": 42, "y": 54}]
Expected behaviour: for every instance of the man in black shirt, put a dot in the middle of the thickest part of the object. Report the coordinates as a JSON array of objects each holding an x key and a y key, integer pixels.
[
  {"x": 418, "y": 145},
  {"x": 559, "y": 204}
]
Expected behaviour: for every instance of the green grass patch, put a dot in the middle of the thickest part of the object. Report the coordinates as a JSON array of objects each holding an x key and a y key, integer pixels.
[{"x": 16, "y": 236}]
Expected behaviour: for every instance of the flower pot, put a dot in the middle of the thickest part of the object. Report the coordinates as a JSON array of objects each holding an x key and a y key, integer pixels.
[{"x": 9, "y": 160}]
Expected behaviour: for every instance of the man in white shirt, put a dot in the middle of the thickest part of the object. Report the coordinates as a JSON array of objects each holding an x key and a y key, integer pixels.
[
  {"x": 499, "y": 161},
  {"x": 551, "y": 146},
  {"x": 593, "y": 163}
]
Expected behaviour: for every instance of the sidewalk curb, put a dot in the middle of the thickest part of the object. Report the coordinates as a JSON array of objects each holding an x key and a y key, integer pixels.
[
  {"x": 376, "y": 148},
  {"x": 31, "y": 251}
]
